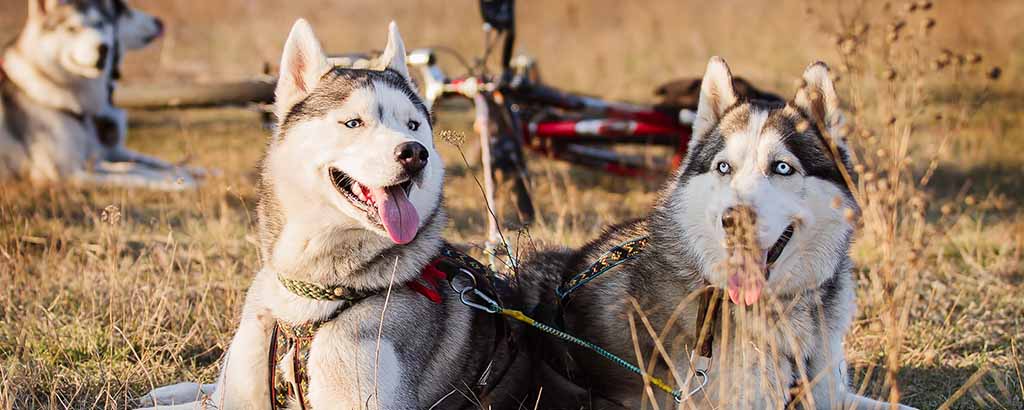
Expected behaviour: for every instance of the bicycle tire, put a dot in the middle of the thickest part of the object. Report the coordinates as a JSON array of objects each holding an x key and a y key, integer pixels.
[{"x": 509, "y": 161}]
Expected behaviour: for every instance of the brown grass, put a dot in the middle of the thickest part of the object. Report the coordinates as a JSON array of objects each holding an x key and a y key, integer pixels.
[{"x": 106, "y": 293}]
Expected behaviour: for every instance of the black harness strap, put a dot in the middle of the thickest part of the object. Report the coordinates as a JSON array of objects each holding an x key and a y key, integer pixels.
[{"x": 298, "y": 338}]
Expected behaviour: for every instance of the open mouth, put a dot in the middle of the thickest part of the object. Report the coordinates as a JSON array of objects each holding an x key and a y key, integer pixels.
[
  {"x": 776, "y": 250},
  {"x": 386, "y": 207}
]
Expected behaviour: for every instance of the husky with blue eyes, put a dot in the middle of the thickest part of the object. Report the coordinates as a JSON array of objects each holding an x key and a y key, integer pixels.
[
  {"x": 778, "y": 321},
  {"x": 350, "y": 221},
  {"x": 57, "y": 121}
]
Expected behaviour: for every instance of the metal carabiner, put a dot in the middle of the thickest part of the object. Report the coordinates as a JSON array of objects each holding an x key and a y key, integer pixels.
[
  {"x": 703, "y": 375},
  {"x": 493, "y": 308},
  {"x": 468, "y": 274}
]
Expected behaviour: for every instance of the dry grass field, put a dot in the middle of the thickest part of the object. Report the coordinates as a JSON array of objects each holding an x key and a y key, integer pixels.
[{"x": 105, "y": 293}]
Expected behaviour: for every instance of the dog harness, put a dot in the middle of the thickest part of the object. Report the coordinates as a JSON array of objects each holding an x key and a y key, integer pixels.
[
  {"x": 706, "y": 323},
  {"x": 700, "y": 357},
  {"x": 297, "y": 338}
]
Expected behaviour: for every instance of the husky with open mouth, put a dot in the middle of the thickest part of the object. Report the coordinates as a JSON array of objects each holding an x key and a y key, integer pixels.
[
  {"x": 57, "y": 123},
  {"x": 774, "y": 334},
  {"x": 350, "y": 221}
]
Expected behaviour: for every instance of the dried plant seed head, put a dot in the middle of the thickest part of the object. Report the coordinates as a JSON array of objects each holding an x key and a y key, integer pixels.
[
  {"x": 910, "y": 7},
  {"x": 859, "y": 168},
  {"x": 969, "y": 200},
  {"x": 946, "y": 209},
  {"x": 974, "y": 57},
  {"x": 928, "y": 23},
  {"x": 889, "y": 74},
  {"x": 892, "y": 37},
  {"x": 453, "y": 137},
  {"x": 924, "y": 4},
  {"x": 849, "y": 215},
  {"x": 111, "y": 214},
  {"x": 848, "y": 46},
  {"x": 837, "y": 202},
  {"x": 891, "y": 120}
]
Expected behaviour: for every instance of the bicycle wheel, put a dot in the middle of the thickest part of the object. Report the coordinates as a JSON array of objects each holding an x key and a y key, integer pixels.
[{"x": 507, "y": 160}]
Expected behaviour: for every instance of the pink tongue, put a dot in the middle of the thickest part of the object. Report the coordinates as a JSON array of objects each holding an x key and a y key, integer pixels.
[
  {"x": 396, "y": 213},
  {"x": 750, "y": 288}
]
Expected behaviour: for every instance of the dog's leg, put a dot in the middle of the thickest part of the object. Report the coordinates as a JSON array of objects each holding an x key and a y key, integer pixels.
[
  {"x": 131, "y": 175},
  {"x": 243, "y": 379},
  {"x": 857, "y": 402},
  {"x": 185, "y": 392},
  {"x": 112, "y": 132}
]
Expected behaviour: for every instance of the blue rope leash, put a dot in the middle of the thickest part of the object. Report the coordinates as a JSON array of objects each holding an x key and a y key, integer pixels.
[{"x": 493, "y": 307}]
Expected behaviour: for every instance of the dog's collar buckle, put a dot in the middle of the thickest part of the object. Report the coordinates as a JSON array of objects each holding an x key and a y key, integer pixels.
[{"x": 699, "y": 362}]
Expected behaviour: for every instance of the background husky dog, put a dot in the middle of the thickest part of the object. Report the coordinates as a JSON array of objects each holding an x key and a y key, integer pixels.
[
  {"x": 351, "y": 196},
  {"x": 133, "y": 29},
  {"x": 56, "y": 97},
  {"x": 788, "y": 317}
]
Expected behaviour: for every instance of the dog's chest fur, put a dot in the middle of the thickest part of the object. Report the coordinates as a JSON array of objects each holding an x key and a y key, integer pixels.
[
  {"x": 41, "y": 142},
  {"x": 765, "y": 351}
]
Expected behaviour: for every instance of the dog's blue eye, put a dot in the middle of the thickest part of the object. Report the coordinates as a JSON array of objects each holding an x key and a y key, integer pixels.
[
  {"x": 782, "y": 168},
  {"x": 354, "y": 123},
  {"x": 413, "y": 125},
  {"x": 724, "y": 168}
]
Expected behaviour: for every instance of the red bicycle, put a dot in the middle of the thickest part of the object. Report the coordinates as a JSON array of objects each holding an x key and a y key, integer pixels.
[{"x": 516, "y": 113}]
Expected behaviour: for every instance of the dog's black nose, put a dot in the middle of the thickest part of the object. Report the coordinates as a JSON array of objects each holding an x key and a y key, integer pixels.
[
  {"x": 413, "y": 157},
  {"x": 103, "y": 50}
]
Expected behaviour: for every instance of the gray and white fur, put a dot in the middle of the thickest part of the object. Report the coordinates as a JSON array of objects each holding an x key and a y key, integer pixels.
[
  {"x": 338, "y": 137},
  {"x": 55, "y": 109},
  {"x": 785, "y": 325}
]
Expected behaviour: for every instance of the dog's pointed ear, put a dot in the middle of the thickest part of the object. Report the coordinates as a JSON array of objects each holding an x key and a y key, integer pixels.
[
  {"x": 393, "y": 57},
  {"x": 817, "y": 97},
  {"x": 303, "y": 63},
  {"x": 716, "y": 96},
  {"x": 38, "y": 8}
]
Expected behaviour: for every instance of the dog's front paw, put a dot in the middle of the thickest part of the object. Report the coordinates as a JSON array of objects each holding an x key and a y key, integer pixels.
[{"x": 176, "y": 394}]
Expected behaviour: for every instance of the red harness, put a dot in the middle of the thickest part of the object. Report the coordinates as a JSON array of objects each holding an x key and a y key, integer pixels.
[
  {"x": 426, "y": 284},
  {"x": 298, "y": 338}
]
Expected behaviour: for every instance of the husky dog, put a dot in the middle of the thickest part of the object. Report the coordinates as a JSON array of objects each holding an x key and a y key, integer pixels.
[
  {"x": 351, "y": 197},
  {"x": 781, "y": 340},
  {"x": 55, "y": 97},
  {"x": 133, "y": 30}
]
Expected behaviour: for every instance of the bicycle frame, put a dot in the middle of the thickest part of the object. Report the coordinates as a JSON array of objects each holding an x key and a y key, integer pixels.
[{"x": 570, "y": 125}]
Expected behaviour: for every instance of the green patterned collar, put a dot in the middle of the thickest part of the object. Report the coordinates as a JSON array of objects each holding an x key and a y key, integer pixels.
[{"x": 319, "y": 292}]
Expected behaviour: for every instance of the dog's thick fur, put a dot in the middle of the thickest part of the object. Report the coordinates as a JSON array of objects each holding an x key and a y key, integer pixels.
[
  {"x": 57, "y": 123},
  {"x": 789, "y": 336},
  {"x": 426, "y": 354}
]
